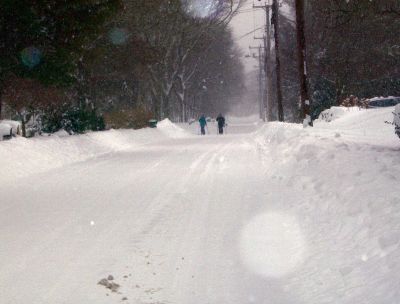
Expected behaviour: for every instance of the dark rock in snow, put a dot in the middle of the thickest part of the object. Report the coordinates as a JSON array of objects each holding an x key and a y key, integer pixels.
[
  {"x": 114, "y": 287},
  {"x": 103, "y": 282},
  {"x": 110, "y": 285}
]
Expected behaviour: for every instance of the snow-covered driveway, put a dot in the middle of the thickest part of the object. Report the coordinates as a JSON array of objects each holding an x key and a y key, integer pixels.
[{"x": 282, "y": 215}]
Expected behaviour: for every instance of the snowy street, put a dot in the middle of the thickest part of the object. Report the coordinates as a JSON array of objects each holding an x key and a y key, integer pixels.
[
  {"x": 200, "y": 152},
  {"x": 265, "y": 214}
]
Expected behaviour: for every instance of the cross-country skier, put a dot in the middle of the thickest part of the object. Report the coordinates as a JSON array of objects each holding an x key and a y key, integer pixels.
[
  {"x": 203, "y": 124},
  {"x": 221, "y": 123}
]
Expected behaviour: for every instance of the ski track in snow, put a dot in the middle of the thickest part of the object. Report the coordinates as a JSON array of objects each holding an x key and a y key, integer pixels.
[{"x": 190, "y": 219}]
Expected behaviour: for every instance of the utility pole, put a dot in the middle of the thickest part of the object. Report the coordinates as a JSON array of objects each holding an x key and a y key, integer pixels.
[
  {"x": 302, "y": 64},
  {"x": 267, "y": 60},
  {"x": 267, "y": 64},
  {"x": 260, "y": 75},
  {"x": 260, "y": 82},
  {"x": 275, "y": 22},
  {"x": 264, "y": 93}
]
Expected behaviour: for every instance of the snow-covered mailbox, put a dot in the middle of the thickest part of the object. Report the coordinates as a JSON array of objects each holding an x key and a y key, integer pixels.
[{"x": 153, "y": 123}]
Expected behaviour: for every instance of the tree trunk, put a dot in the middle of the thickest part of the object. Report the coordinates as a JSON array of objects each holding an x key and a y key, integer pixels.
[
  {"x": 302, "y": 66},
  {"x": 275, "y": 21},
  {"x": 23, "y": 124},
  {"x": 1, "y": 104}
]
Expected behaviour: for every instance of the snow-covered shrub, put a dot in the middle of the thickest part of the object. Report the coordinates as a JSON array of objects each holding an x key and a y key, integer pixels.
[
  {"x": 396, "y": 120},
  {"x": 73, "y": 119},
  {"x": 332, "y": 114}
]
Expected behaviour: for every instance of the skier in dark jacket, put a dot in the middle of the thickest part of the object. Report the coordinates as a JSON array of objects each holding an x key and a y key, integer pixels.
[
  {"x": 203, "y": 124},
  {"x": 221, "y": 123}
]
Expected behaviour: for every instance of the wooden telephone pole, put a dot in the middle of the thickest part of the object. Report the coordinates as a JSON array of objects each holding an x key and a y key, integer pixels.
[
  {"x": 302, "y": 65},
  {"x": 267, "y": 63},
  {"x": 275, "y": 22},
  {"x": 267, "y": 60},
  {"x": 260, "y": 82}
]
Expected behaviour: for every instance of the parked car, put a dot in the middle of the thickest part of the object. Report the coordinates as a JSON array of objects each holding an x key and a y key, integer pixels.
[
  {"x": 15, "y": 125},
  {"x": 379, "y": 102},
  {"x": 5, "y": 131},
  {"x": 396, "y": 119}
]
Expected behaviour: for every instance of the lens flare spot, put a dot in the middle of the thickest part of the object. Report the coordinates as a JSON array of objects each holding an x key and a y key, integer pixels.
[
  {"x": 118, "y": 36},
  {"x": 272, "y": 245},
  {"x": 31, "y": 56}
]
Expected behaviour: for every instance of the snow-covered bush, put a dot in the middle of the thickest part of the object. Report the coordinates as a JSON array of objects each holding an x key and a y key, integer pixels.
[
  {"x": 73, "y": 119},
  {"x": 332, "y": 114},
  {"x": 396, "y": 120}
]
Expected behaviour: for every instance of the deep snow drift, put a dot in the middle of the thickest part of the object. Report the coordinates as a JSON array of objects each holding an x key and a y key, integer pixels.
[
  {"x": 341, "y": 180},
  {"x": 282, "y": 215},
  {"x": 23, "y": 157}
]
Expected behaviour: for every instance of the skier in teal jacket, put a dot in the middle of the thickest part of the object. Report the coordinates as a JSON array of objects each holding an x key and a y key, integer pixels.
[{"x": 203, "y": 124}]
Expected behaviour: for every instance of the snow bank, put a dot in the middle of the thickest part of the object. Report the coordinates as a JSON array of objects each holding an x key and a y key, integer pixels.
[
  {"x": 361, "y": 125},
  {"x": 342, "y": 180},
  {"x": 60, "y": 133},
  {"x": 362, "y": 131},
  {"x": 22, "y": 157},
  {"x": 171, "y": 130}
]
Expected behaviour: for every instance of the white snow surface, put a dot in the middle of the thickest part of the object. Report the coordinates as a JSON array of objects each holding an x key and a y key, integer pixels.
[{"x": 269, "y": 213}]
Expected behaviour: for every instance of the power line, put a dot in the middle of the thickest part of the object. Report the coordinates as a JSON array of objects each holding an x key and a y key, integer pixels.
[{"x": 251, "y": 32}]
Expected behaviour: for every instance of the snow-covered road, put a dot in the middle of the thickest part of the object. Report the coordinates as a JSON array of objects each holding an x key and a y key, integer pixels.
[
  {"x": 242, "y": 218},
  {"x": 166, "y": 216}
]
